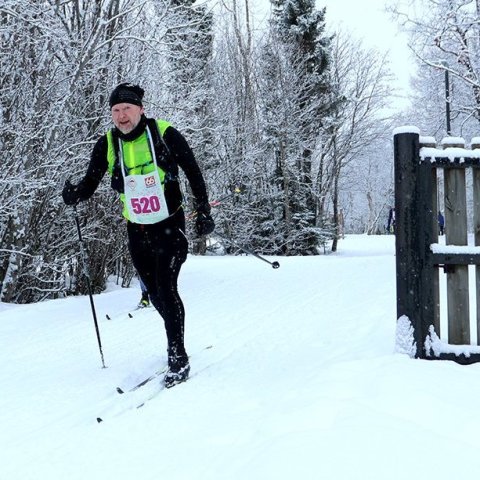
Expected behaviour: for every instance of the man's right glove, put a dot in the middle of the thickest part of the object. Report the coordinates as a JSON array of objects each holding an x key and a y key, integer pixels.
[
  {"x": 204, "y": 224},
  {"x": 70, "y": 193}
]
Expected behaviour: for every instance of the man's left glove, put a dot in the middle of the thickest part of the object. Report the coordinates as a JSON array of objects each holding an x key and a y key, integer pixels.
[
  {"x": 204, "y": 224},
  {"x": 70, "y": 193}
]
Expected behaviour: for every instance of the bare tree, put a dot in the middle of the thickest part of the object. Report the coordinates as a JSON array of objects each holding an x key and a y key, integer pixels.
[
  {"x": 59, "y": 60},
  {"x": 444, "y": 36},
  {"x": 363, "y": 79}
]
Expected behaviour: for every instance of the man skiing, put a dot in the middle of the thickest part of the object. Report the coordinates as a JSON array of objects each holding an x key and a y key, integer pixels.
[{"x": 142, "y": 156}]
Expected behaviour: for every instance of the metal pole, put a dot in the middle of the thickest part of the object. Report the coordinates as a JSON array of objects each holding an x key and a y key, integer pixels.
[
  {"x": 89, "y": 285},
  {"x": 447, "y": 102},
  {"x": 249, "y": 252},
  {"x": 447, "y": 98}
]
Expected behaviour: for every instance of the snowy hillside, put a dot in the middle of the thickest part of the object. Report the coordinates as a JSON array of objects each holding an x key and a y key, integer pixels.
[{"x": 294, "y": 376}]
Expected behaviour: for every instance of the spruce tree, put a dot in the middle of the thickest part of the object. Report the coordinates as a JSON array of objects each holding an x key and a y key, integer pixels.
[
  {"x": 190, "y": 40},
  {"x": 298, "y": 36}
]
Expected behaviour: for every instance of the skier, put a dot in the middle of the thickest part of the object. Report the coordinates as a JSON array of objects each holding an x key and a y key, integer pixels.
[
  {"x": 142, "y": 156},
  {"x": 144, "y": 301},
  {"x": 441, "y": 223},
  {"x": 391, "y": 221}
]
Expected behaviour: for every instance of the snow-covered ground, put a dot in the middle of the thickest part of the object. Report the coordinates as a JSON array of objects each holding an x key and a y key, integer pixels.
[{"x": 294, "y": 376}]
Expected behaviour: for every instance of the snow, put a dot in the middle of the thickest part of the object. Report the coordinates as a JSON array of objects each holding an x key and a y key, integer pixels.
[
  {"x": 302, "y": 380},
  {"x": 435, "y": 346},
  {"x": 453, "y": 141},
  {"x": 450, "y": 150},
  {"x": 427, "y": 140},
  {"x": 406, "y": 129},
  {"x": 454, "y": 249},
  {"x": 404, "y": 341},
  {"x": 452, "y": 153}
]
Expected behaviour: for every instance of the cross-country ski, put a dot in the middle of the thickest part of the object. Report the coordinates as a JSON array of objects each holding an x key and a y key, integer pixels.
[{"x": 142, "y": 383}]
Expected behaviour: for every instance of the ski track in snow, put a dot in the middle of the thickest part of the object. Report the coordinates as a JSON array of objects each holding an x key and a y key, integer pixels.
[{"x": 300, "y": 381}]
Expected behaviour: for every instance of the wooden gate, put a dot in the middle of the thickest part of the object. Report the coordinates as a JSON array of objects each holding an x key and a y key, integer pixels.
[{"x": 420, "y": 256}]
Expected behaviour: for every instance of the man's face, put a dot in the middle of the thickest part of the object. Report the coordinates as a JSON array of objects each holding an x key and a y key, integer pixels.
[{"x": 126, "y": 116}]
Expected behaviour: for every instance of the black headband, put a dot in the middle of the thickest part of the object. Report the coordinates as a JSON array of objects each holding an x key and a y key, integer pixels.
[{"x": 127, "y": 93}]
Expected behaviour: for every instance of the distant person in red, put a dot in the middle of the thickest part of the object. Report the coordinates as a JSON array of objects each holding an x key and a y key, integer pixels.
[{"x": 142, "y": 156}]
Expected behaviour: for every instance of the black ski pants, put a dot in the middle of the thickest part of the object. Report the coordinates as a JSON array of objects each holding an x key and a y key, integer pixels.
[{"x": 158, "y": 252}]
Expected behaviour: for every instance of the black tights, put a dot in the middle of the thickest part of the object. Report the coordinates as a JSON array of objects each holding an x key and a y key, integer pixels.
[{"x": 158, "y": 252}]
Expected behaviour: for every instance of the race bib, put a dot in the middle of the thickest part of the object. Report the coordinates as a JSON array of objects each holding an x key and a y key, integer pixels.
[{"x": 144, "y": 198}]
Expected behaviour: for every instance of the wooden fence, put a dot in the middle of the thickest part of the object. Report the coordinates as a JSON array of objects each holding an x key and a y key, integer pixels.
[{"x": 419, "y": 255}]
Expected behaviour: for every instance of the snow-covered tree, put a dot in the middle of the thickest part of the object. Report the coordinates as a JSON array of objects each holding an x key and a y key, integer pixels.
[
  {"x": 59, "y": 61},
  {"x": 444, "y": 35},
  {"x": 297, "y": 58},
  {"x": 189, "y": 83},
  {"x": 355, "y": 147},
  {"x": 261, "y": 112}
]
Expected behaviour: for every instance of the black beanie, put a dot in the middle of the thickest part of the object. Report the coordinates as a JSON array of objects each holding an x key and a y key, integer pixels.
[{"x": 127, "y": 93}]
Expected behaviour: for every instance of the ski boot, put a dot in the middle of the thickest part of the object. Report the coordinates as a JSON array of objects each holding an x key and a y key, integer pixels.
[
  {"x": 178, "y": 370},
  {"x": 144, "y": 302}
]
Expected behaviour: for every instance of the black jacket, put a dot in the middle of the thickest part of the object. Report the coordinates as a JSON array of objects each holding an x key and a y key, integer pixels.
[{"x": 179, "y": 155}]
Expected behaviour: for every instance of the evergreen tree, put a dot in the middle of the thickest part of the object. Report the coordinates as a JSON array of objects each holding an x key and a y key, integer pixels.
[
  {"x": 298, "y": 36},
  {"x": 189, "y": 84}
]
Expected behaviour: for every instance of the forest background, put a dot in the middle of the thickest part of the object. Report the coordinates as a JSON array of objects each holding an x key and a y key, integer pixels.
[{"x": 291, "y": 122}]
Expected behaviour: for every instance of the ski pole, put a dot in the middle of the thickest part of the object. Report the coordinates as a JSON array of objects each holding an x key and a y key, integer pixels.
[
  {"x": 89, "y": 285},
  {"x": 249, "y": 252}
]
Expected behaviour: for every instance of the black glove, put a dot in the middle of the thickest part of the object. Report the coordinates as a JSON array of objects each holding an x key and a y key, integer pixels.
[
  {"x": 204, "y": 224},
  {"x": 70, "y": 193}
]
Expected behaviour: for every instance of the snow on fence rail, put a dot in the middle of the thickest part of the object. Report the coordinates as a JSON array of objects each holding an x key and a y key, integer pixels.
[{"x": 419, "y": 256}]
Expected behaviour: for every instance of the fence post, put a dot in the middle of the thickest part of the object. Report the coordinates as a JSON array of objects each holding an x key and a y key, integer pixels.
[
  {"x": 476, "y": 229},
  {"x": 413, "y": 235},
  {"x": 456, "y": 234},
  {"x": 406, "y": 149}
]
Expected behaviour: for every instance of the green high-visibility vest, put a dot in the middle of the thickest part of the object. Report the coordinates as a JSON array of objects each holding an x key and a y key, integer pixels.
[{"x": 137, "y": 158}]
